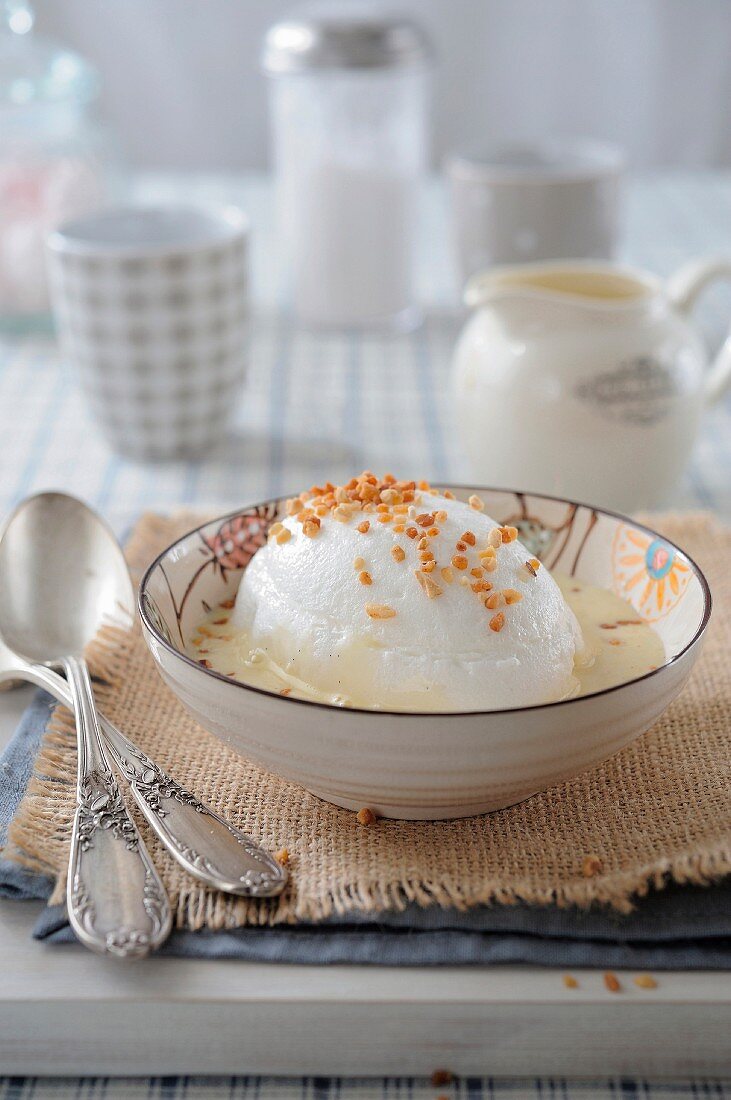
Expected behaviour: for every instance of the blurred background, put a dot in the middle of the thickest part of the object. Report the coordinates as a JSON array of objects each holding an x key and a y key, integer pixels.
[
  {"x": 651, "y": 75},
  {"x": 357, "y": 163}
]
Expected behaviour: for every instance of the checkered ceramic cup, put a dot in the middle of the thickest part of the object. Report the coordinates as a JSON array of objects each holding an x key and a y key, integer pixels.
[{"x": 151, "y": 310}]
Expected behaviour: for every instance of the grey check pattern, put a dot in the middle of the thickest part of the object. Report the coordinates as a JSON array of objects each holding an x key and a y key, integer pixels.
[{"x": 158, "y": 344}]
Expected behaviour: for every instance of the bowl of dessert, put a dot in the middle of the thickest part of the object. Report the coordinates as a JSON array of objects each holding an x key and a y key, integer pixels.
[{"x": 426, "y": 653}]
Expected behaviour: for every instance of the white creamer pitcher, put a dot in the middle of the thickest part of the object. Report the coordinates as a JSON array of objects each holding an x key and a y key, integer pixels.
[{"x": 585, "y": 379}]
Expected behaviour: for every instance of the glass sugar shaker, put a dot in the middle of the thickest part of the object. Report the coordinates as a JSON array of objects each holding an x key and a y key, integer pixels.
[{"x": 349, "y": 94}]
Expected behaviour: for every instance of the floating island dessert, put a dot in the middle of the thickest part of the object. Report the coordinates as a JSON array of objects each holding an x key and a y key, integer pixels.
[{"x": 391, "y": 595}]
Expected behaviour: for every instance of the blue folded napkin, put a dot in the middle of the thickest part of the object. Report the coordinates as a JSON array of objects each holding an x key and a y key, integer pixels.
[{"x": 676, "y": 928}]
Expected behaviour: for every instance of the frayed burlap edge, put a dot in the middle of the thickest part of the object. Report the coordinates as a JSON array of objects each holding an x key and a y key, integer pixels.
[{"x": 40, "y": 831}]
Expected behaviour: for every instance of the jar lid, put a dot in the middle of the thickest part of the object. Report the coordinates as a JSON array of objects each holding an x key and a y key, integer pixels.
[
  {"x": 35, "y": 70},
  {"x": 328, "y": 38}
]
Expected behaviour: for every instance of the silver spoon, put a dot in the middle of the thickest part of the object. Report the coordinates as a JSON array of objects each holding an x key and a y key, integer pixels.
[
  {"x": 60, "y": 581},
  {"x": 204, "y": 843}
]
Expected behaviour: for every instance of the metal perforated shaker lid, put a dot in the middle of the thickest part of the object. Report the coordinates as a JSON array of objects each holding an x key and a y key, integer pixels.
[{"x": 330, "y": 38}]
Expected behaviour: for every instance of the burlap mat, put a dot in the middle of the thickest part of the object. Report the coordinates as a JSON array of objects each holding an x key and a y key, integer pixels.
[{"x": 658, "y": 810}]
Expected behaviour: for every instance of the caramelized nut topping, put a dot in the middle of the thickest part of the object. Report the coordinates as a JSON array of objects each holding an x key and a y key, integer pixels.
[
  {"x": 611, "y": 981},
  {"x": 282, "y": 856},
  {"x": 508, "y": 534},
  {"x": 398, "y": 553},
  {"x": 412, "y": 532},
  {"x": 426, "y": 519},
  {"x": 591, "y": 865},
  {"x": 359, "y": 563},
  {"x": 365, "y": 816},
  {"x": 365, "y": 578},
  {"x": 469, "y": 538},
  {"x": 364, "y": 527},
  {"x": 379, "y": 611},
  {"x": 511, "y": 596},
  {"x": 459, "y": 561},
  {"x": 495, "y": 538},
  {"x": 476, "y": 502},
  {"x": 284, "y": 536},
  {"x": 645, "y": 981},
  {"x": 497, "y": 622},
  {"x": 570, "y": 982},
  {"x": 447, "y": 574},
  {"x": 428, "y": 583}
]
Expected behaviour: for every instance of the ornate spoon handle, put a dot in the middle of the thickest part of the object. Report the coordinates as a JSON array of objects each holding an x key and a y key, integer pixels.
[
  {"x": 116, "y": 902},
  {"x": 205, "y": 844}
]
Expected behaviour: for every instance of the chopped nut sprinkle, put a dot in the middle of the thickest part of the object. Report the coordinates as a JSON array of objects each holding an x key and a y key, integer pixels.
[
  {"x": 645, "y": 981},
  {"x": 476, "y": 502},
  {"x": 611, "y": 981},
  {"x": 399, "y": 528},
  {"x": 447, "y": 574},
  {"x": 433, "y": 532},
  {"x": 359, "y": 563},
  {"x": 423, "y": 543},
  {"x": 398, "y": 553},
  {"x": 284, "y": 536},
  {"x": 497, "y": 622},
  {"x": 379, "y": 611},
  {"x": 275, "y": 529},
  {"x": 477, "y": 571},
  {"x": 285, "y": 691},
  {"x": 448, "y": 494},
  {"x": 459, "y": 561},
  {"x": 489, "y": 564},
  {"x": 481, "y": 586},
  {"x": 365, "y": 816},
  {"x": 460, "y": 546},
  {"x": 385, "y": 517},
  {"x": 364, "y": 577},
  {"x": 511, "y": 596},
  {"x": 426, "y": 555},
  {"x": 570, "y": 982},
  {"x": 440, "y": 517},
  {"x": 282, "y": 856},
  {"x": 469, "y": 538},
  {"x": 534, "y": 564},
  {"x": 495, "y": 538},
  {"x": 426, "y": 519},
  {"x": 412, "y": 532},
  {"x": 428, "y": 566},
  {"x": 364, "y": 527},
  {"x": 508, "y": 534},
  {"x": 591, "y": 865},
  {"x": 428, "y": 583},
  {"x": 494, "y": 601}
]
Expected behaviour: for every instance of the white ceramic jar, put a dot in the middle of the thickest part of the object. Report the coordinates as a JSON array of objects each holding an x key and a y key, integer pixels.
[
  {"x": 585, "y": 380},
  {"x": 348, "y": 99}
]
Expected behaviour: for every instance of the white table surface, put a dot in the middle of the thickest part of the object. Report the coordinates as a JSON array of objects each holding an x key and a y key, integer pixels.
[{"x": 63, "y": 1011}]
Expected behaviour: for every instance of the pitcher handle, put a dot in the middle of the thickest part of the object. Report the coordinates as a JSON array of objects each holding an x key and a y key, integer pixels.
[{"x": 683, "y": 289}]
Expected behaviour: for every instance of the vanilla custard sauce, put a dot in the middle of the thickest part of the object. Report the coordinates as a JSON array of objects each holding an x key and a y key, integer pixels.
[{"x": 620, "y": 647}]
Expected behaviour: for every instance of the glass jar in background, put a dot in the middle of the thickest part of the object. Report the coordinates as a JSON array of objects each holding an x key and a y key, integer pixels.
[
  {"x": 56, "y": 160},
  {"x": 349, "y": 116}
]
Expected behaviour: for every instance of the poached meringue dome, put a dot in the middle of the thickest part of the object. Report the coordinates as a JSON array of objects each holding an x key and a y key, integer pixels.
[{"x": 433, "y": 607}]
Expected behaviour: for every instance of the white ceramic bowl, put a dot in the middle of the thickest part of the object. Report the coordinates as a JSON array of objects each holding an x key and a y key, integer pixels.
[{"x": 432, "y": 766}]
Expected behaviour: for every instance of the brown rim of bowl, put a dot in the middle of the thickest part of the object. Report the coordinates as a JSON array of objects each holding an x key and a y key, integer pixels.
[{"x": 707, "y": 607}]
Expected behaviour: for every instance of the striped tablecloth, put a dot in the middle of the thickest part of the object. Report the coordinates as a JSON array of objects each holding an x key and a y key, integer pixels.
[{"x": 320, "y": 406}]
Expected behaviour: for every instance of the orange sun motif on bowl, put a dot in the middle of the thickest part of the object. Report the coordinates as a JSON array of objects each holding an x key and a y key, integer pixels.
[{"x": 648, "y": 572}]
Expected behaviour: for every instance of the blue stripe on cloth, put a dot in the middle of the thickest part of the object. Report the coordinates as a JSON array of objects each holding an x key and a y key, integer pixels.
[{"x": 357, "y": 1088}]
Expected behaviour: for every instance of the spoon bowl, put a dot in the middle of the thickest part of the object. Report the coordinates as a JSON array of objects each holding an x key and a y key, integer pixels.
[{"x": 62, "y": 576}]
